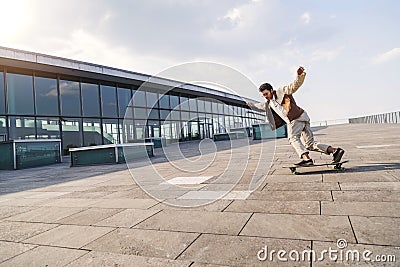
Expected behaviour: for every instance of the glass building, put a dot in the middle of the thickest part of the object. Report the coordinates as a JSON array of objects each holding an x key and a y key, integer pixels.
[{"x": 84, "y": 104}]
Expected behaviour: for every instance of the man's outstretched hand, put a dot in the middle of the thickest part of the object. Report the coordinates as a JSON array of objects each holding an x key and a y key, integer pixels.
[{"x": 300, "y": 70}]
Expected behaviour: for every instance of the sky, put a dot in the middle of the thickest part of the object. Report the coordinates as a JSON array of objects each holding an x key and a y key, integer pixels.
[{"x": 349, "y": 48}]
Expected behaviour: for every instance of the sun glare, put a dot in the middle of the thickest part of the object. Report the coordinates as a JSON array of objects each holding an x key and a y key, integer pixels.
[{"x": 14, "y": 15}]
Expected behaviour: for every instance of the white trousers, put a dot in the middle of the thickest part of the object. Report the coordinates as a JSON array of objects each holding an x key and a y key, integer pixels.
[{"x": 302, "y": 138}]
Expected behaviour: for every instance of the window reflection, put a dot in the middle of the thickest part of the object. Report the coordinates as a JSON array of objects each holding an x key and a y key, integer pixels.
[
  {"x": 139, "y": 98},
  {"x": 152, "y": 100},
  {"x": 124, "y": 97},
  {"x": 71, "y": 133},
  {"x": 46, "y": 96},
  {"x": 20, "y": 94},
  {"x": 110, "y": 131},
  {"x": 3, "y": 129},
  {"x": 21, "y": 128},
  {"x": 70, "y": 98},
  {"x": 2, "y": 95},
  {"x": 47, "y": 128},
  {"x": 92, "y": 132},
  {"x": 90, "y": 99},
  {"x": 109, "y": 101}
]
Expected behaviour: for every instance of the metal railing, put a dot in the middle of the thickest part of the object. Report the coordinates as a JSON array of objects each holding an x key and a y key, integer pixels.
[{"x": 392, "y": 117}]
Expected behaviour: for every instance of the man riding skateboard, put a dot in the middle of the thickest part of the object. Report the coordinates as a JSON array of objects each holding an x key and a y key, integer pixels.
[{"x": 281, "y": 108}]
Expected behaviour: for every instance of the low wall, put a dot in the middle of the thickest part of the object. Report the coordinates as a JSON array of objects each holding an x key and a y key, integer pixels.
[{"x": 110, "y": 154}]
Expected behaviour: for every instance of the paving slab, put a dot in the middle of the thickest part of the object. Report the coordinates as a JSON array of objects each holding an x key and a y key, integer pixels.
[
  {"x": 389, "y": 209},
  {"x": 289, "y": 178},
  {"x": 190, "y": 204},
  {"x": 45, "y": 214},
  {"x": 124, "y": 203},
  {"x": 45, "y": 256},
  {"x": 103, "y": 259},
  {"x": 302, "y": 186},
  {"x": 239, "y": 250},
  {"x": 368, "y": 196},
  {"x": 305, "y": 227},
  {"x": 69, "y": 236},
  {"x": 139, "y": 242},
  {"x": 130, "y": 194},
  {"x": 359, "y": 177},
  {"x": 291, "y": 195},
  {"x": 46, "y": 195},
  {"x": 197, "y": 221},
  {"x": 385, "y": 186},
  {"x": 127, "y": 218},
  {"x": 6, "y": 211},
  {"x": 86, "y": 195},
  {"x": 19, "y": 231},
  {"x": 353, "y": 255},
  {"x": 89, "y": 216},
  {"x": 23, "y": 202},
  {"x": 377, "y": 230},
  {"x": 290, "y": 207},
  {"x": 69, "y": 202},
  {"x": 11, "y": 249}
]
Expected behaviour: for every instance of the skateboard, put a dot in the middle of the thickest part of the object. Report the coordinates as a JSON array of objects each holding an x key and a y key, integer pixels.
[{"x": 336, "y": 166}]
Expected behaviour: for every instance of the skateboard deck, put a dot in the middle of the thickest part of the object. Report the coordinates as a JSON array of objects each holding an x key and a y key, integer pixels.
[{"x": 336, "y": 166}]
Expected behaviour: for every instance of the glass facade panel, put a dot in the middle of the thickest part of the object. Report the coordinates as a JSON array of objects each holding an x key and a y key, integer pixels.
[
  {"x": 208, "y": 107},
  {"x": 3, "y": 129},
  {"x": 153, "y": 115},
  {"x": 92, "y": 132},
  {"x": 166, "y": 130},
  {"x": 46, "y": 94},
  {"x": 184, "y": 103},
  {"x": 214, "y": 107},
  {"x": 164, "y": 102},
  {"x": 2, "y": 94},
  {"x": 70, "y": 98},
  {"x": 175, "y": 115},
  {"x": 193, "y": 104},
  {"x": 21, "y": 128},
  {"x": 127, "y": 132},
  {"x": 164, "y": 114},
  {"x": 175, "y": 131},
  {"x": 110, "y": 131},
  {"x": 90, "y": 99},
  {"x": 108, "y": 101},
  {"x": 152, "y": 100},
  {"x": 200, "y": 105},
  {"x": 124, "y": 97},
  {"x": 48, "y": 128},
  {"x": 20, "y": 94},
  {"x": 174, "y": 101},
  {"x": 72, "y": 133},
  {"x": 185, "y": 116},
  {"x": 140, "y": 129},
  {"x": 141, "y": 113},
  {"x": 153, "y": 128},
  {"x": 139, "y": 98}
]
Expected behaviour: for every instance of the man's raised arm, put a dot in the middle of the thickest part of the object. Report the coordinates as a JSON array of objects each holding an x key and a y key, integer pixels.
[{"x": 292, "y": 88}]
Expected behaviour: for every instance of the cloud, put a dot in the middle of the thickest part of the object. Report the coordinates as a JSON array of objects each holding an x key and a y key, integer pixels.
[
  {"x": 387, "y": 56},
  {"x": 306, "y": 17}
]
